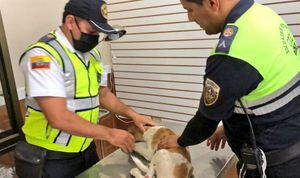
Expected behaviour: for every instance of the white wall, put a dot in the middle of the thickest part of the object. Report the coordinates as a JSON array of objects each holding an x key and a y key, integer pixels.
[
  {"x": 159, "y": 65},
  {"x": 25, "y": 21}
]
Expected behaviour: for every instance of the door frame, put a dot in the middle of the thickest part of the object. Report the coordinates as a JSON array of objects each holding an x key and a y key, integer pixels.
[{"x": 9, "y": 138}]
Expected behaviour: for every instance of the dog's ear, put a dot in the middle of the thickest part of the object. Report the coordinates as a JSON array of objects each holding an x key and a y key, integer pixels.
[{"x": 136, "y": 132}]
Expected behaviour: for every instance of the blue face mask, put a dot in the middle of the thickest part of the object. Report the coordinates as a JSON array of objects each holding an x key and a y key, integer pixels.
[{"x": 86, "y": 42}]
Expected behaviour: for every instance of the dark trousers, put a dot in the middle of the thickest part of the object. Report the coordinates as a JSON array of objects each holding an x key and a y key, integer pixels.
[
  {"x": 70, "y": 166},
  {"x": 290, "y": 169}
]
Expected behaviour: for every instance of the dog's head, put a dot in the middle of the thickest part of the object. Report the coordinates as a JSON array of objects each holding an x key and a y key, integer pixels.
[{"x": 137, "y": 133}]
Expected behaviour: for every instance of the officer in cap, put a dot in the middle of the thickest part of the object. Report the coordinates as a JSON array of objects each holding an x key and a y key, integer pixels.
[{"x": 65, "y": 84}]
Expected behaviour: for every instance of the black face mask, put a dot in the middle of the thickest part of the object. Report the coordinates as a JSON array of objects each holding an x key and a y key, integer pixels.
[{"x": 86, "y": 42}]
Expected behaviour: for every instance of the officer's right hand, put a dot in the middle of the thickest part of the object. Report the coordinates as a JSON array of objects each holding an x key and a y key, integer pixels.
[{"x": 122, "y": 139}]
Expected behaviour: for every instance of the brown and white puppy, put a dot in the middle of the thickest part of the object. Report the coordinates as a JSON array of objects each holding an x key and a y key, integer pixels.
[{"x": 164, "y": 163}]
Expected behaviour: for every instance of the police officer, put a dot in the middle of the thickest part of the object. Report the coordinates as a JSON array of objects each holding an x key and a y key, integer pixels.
[
  {"x": 64, "y": 78},
  {"x": 254, "y": 71}
]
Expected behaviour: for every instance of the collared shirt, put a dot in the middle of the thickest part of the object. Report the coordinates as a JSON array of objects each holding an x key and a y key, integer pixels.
[
  {"x": 239, "y": 9},
  {"x": 236, "y": 78},
  {"x": 49, "y": 80}
]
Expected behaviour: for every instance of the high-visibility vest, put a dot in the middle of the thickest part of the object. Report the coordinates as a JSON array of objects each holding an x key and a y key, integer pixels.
[
  {"x": 262, "y": 39},
  {"x": 82, "y": 90}
]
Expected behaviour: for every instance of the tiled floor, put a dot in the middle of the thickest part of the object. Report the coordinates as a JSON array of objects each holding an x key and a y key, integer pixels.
[
  {"x": 6, "y": 172},
  {"x": 6, "y": 165}
]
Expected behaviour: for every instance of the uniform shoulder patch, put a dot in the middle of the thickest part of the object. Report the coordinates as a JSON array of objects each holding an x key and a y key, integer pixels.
[
  {"x": 47, "y": 38},
  {"x": 226, "y": 39},
  {"x": 40, "y": 62},
  {"x": 211, "y": 92}
]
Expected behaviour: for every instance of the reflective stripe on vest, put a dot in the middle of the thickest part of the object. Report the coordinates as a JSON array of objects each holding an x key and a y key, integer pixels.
[
  {"x": 62, "y": 138},
  {"x": 68, "y": 69},
  {"x": 74, "y": 105},
  {"x": 273, "y": 101}
]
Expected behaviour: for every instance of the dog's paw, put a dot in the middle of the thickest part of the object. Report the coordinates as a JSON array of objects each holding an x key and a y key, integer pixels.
[{"x": 135, "y": 172}]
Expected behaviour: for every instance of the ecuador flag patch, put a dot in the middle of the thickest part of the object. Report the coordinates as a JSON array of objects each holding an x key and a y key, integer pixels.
[{"x": 40, "y": 62}]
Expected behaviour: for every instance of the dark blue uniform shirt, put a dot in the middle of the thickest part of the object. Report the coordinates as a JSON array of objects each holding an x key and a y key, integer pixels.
[{"x": 237, "y": 78}]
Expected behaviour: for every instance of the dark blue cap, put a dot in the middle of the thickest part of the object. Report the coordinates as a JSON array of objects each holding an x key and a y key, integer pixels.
[{"x": 95, "y": 11}]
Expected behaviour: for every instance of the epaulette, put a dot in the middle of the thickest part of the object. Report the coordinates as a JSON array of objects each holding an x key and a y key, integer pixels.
[
  {"x": 47, "y": 38},
  {"x": 226, "y": 39}
]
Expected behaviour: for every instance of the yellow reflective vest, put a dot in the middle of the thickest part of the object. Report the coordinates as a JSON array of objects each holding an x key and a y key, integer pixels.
[
  {"x": 262, "y": 39},
  {"x": 82, "y": 87}
]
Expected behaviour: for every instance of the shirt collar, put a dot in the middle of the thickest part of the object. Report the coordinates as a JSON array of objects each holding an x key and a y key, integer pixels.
[
  {"x": 61, "y": 37},
  {"x": 239, "y": 9}
]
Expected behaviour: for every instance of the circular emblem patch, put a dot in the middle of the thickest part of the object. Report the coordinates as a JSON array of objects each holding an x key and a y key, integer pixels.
[
  {"x": 211, "y": 92},
  {"x": 228, "y": 32},
  {"x": 104, "y": 10}
]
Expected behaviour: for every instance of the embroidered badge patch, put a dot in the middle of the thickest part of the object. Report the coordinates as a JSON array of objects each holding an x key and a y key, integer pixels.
[
  {"x": 40, "y": 62},
  {"x": 104, "y": 10},
  {"x": 211, "y": 92},
  {"x": 226, "y": 39}
]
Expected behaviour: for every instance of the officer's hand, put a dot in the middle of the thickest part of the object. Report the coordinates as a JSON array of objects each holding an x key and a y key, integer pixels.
[
  {"x": 122, "y": 139},
  {"x": 218, "y": 137},
  {"x": 140, "y": 121},
  {"x": 168, "y": 142}
]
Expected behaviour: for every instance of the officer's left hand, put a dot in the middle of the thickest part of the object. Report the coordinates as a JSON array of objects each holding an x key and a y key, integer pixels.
[
  {"x": 140, "y": 121},
  {"x": 216, "y": 139}
]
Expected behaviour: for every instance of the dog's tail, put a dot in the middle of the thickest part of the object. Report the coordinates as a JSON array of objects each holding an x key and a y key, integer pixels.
[{"x": 139, "y": 163}]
